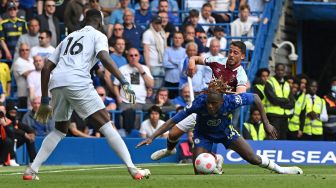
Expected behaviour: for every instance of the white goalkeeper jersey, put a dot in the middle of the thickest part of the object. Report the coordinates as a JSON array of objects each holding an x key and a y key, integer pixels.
[{"x": 75, "y": 56}]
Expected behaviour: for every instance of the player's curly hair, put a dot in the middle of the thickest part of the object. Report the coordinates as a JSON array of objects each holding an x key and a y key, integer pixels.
[{"x": 218, "y": 86}]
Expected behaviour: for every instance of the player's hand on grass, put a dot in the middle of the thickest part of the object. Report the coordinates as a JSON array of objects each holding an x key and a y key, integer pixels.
[
  {"x": 144, "y": 142},
  {"x": 43, "y": 113},
  {"x": 129, "y": 93},
  {"x": 271, "y": 131}
]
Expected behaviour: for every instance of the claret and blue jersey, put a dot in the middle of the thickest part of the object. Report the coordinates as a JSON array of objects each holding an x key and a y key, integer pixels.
[{"x": 217, "y": 127}]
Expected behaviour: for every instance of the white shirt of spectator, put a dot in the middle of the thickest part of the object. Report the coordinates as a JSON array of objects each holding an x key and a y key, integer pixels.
[
  {"x": 239, "y": 28},
  {"x": 222, "y": 42},
  {"x": 75, "y": 56},
  {"x": 19, "y": 67},
  {"x": 148, "y": 129},
  {"x": 205, "y": 21},
  {"x": 148, "y": 38},
  {"x": 42, "y": 51},
  {"x": 222, "y": 5},
  {"x": 137, "y": 82}
]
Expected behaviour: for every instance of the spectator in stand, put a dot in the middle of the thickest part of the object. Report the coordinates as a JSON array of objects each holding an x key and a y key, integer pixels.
[
  {"x": 279, "y": 101},
  {"x": 48, "y": 21},
  {"x": 164, "y": 7},
  {"x": 316, "y": 114},
  {"x": 219, "y": 35},
  {"x": 5, "y": 77},
  {"x": 34, "y": 78},
  {"x": 107, "y": 7},
  {"x": 214, "y": 49},
  {"x": 7, "y": 136},
  {"x": 119, "y": 59},
  {"x": 73, "y": 11},
  {"x": 78, "y": 127},
  {"x": 2, "y": 95},
  {"x": 254, "y": 128},
  {"x": 20, "y": 12},
  {"x": 203, "y": 74},
  {"x": 143, "y": 15},
  {"x": 329, "y": 127},
  {"x": 29, "y": 120},
  {"x": 206, "y": 18},
  {"x": 117, "y": 16},
  {"x": 242, "y": 26},
  {"x": 150, "y": 125},
  {"x": 172, "y": 5},
  {"x": 44, "y": 49},
  {"x": 227, "y": 6},
  {"x": 184, "y": 98},
  {"x": 140, "y": 78},
  {"x": 194, "y": 4},
  {"x": 60, "y": 7},
  {"x": 161, "y": 100},
  {"x": 31, "y": 38},
  {"x": 259, "y": 84},
  {"x": 192, "y": 19},
  {"x": 154, "y": 44},
  {"x": 109, "y": 102},
  {"x": 256, "y": 5},
  {"x": 6, "y": 142},
  {"x": 22, "y": 67},
  {"x": 118, "y": 32},
  {"x": 29, "y": 8},
  {"x": 23, "y": 134},
  {"x": 172, "y": 61},
  {"x": 132, "y": 32},
  {"x": 297, "y": 120},
  {"x": 190, "y": 36},
  {"x": 168, "y": 27},
  {"x": 203, "y": 37},
  {"x": 10, "y": 30}
]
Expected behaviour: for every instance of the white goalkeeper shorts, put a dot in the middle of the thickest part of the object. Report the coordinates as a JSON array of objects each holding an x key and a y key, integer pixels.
[
  {"x": 188, "y": 123},
  {"x": 84, "y": 100}
]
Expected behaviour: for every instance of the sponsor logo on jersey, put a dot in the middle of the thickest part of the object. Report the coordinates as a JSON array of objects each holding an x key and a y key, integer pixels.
[{"x": 214, "y": 122}]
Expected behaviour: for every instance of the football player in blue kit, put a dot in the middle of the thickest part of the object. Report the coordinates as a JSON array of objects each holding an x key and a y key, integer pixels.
[{"x": 213, "y": 126}]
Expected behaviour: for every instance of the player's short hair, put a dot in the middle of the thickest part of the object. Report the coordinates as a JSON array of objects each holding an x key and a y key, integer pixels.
[
  {"x": 154, "y": 108},
  {"x": 241, "y": 45},
  {"x": 93, "y": 15}
]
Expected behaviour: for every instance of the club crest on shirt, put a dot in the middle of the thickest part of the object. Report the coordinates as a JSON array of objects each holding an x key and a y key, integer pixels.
[
  {"x": 238, "y": 99},
  {"x": 214, "y": 122}
]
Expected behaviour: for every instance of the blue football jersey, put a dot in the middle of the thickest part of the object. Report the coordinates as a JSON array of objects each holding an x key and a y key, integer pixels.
[{"x": 214, "y": 127}]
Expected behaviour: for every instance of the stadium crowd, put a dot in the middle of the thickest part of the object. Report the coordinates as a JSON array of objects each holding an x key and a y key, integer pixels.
[{"x": 151, "y": 43}]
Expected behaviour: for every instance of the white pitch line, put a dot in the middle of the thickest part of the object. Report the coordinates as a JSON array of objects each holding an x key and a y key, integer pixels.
[{"x": 89, "y": 168}]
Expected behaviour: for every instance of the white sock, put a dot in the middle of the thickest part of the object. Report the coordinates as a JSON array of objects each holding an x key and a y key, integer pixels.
[
  {"x": 116, "y": 143},
  {"x": 266, "y": 163},
  {"x": 48, "y": 145}
]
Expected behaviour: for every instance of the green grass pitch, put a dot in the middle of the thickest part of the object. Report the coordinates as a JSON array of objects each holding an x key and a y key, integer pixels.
[{"x": 168, "y": 175}]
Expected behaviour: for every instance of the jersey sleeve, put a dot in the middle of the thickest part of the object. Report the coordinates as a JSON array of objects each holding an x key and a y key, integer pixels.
[
  {"x": 242, "y": 79},
  {"x": 101, "y": 43},
  {"x": 54, "y": 57},
  {"x": 242, "y": 99},
  {"x": 193, "y": 108}
]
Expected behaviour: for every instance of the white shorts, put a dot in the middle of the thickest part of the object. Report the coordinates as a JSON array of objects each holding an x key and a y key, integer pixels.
[
  {"x": 84, "y": 100},
  {"x": 188, "y": 123}
]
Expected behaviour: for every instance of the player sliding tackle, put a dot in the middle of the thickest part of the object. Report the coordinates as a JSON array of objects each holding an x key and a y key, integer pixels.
[
  {"x": 213, "y": 126},
  {"x": 71, "y": 88}
]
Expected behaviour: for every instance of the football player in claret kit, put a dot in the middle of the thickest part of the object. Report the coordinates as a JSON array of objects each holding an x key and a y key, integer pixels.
[
  {"x": 213, "y": 126},
  {"x": 71, "y": 88},
  {"x": 229, "y": 70}
]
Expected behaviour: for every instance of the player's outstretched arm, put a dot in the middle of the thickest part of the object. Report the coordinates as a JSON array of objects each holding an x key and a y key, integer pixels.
[
  {"x": 193, "y": 61},
  {"x": 44, "y": 111},
  {"x": 270, "y": 130},
  {"x": 110, "y": 65},
  {"x": 164, "y": 128}
]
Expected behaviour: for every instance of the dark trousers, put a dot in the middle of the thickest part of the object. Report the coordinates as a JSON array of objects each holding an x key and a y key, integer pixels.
[
  {"x": 292, "y": 135},
  {"x": 30, "y": 147},
  {"x": 281, "y": 125},
  {"x": 312, "y": 137},
  {"x": 5, "y": 147}
]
